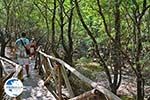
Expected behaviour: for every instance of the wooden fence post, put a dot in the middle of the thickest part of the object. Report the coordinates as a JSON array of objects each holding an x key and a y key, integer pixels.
[
  {"x": 40, "y": 65},
  {"x": 1, "y": 77},
  {"x": 52, "y": 69},
  {"x": 95, "y": 85},
  {"x": 1, "y": 89},
  {"x": 1, "y": 70},
  {"x": 67, "y": 82},
  {"x": 59, "y": 81}
]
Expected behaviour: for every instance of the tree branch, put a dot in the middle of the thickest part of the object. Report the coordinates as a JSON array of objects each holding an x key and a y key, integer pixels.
[
  {"x": 104, "y": 21},
  {"x": 143, "y": 12}
]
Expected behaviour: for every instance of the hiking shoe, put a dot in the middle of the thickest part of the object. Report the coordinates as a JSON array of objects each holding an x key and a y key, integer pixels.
[
  {"x": 22, "y": 80},
  {"x": 28, "y": 75}
]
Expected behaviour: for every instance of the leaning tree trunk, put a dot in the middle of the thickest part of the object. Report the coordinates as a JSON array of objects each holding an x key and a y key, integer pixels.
[{"x": 102, "y": 61}]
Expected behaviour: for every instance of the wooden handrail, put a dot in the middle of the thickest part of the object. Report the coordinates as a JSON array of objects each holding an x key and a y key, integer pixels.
[
  {"x": 17, "y": 66},
  {"x": 66, "y": 80},
  {"x": 4, "y": 70},
  {"x": 101, "y": 89},
  {"x": 85, "y": 95}
]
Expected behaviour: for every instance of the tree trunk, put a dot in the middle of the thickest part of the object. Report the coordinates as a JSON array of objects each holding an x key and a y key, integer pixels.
[
  {"x": 102, "y": 61},
  {"x": 54, "y": 48},
  {"x": 70, "y": 46},
  {"x": 140, "y": 81},
  {"x": 140, "y": 87},
  {"x": 3, "y": 49},
  {"x": 117, "y": 55},
  {"x": 61, "y": 2}
]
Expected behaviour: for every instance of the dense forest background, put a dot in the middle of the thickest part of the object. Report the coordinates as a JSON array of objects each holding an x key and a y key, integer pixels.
[{"x": 113, "y": 35}]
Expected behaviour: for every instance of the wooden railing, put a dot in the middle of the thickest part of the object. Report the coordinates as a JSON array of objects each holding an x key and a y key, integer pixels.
[
  {"x": 53, "y": 71},
  {"x": 5, "y": 75},
  {"x": 55, "y": 75}
]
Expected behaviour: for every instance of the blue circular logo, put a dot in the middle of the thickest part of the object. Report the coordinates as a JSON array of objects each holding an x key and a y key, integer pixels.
[{"x": 13, "y": 87}]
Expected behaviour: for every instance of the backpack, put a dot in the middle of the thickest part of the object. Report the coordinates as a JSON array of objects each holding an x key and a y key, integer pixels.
[{"x": 27, "y": 48}]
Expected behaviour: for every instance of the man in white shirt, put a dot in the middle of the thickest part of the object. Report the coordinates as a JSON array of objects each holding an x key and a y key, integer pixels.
[{"x": 22, "y": 57}]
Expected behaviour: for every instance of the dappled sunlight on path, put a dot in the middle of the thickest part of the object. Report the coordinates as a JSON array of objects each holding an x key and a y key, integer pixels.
[{"x": 34, "y": 88}]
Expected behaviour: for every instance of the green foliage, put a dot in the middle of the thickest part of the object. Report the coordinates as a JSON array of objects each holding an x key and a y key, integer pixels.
[
  {"x": 88, "y": 67},
  {"x": 127, "y": 98},
  {"x": 83, "y": 60},
  {"x": 23, "y": 15}
]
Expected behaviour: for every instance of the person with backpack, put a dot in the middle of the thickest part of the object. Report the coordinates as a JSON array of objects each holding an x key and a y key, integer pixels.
[{"x": 22, "y": 53}]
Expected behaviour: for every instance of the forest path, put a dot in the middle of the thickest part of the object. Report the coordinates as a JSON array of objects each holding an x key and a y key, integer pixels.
[{"x": 34, "y": 88}]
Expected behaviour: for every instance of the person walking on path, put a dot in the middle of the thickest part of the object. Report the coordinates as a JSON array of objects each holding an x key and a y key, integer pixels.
[{"x": 22, "y": 45}]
